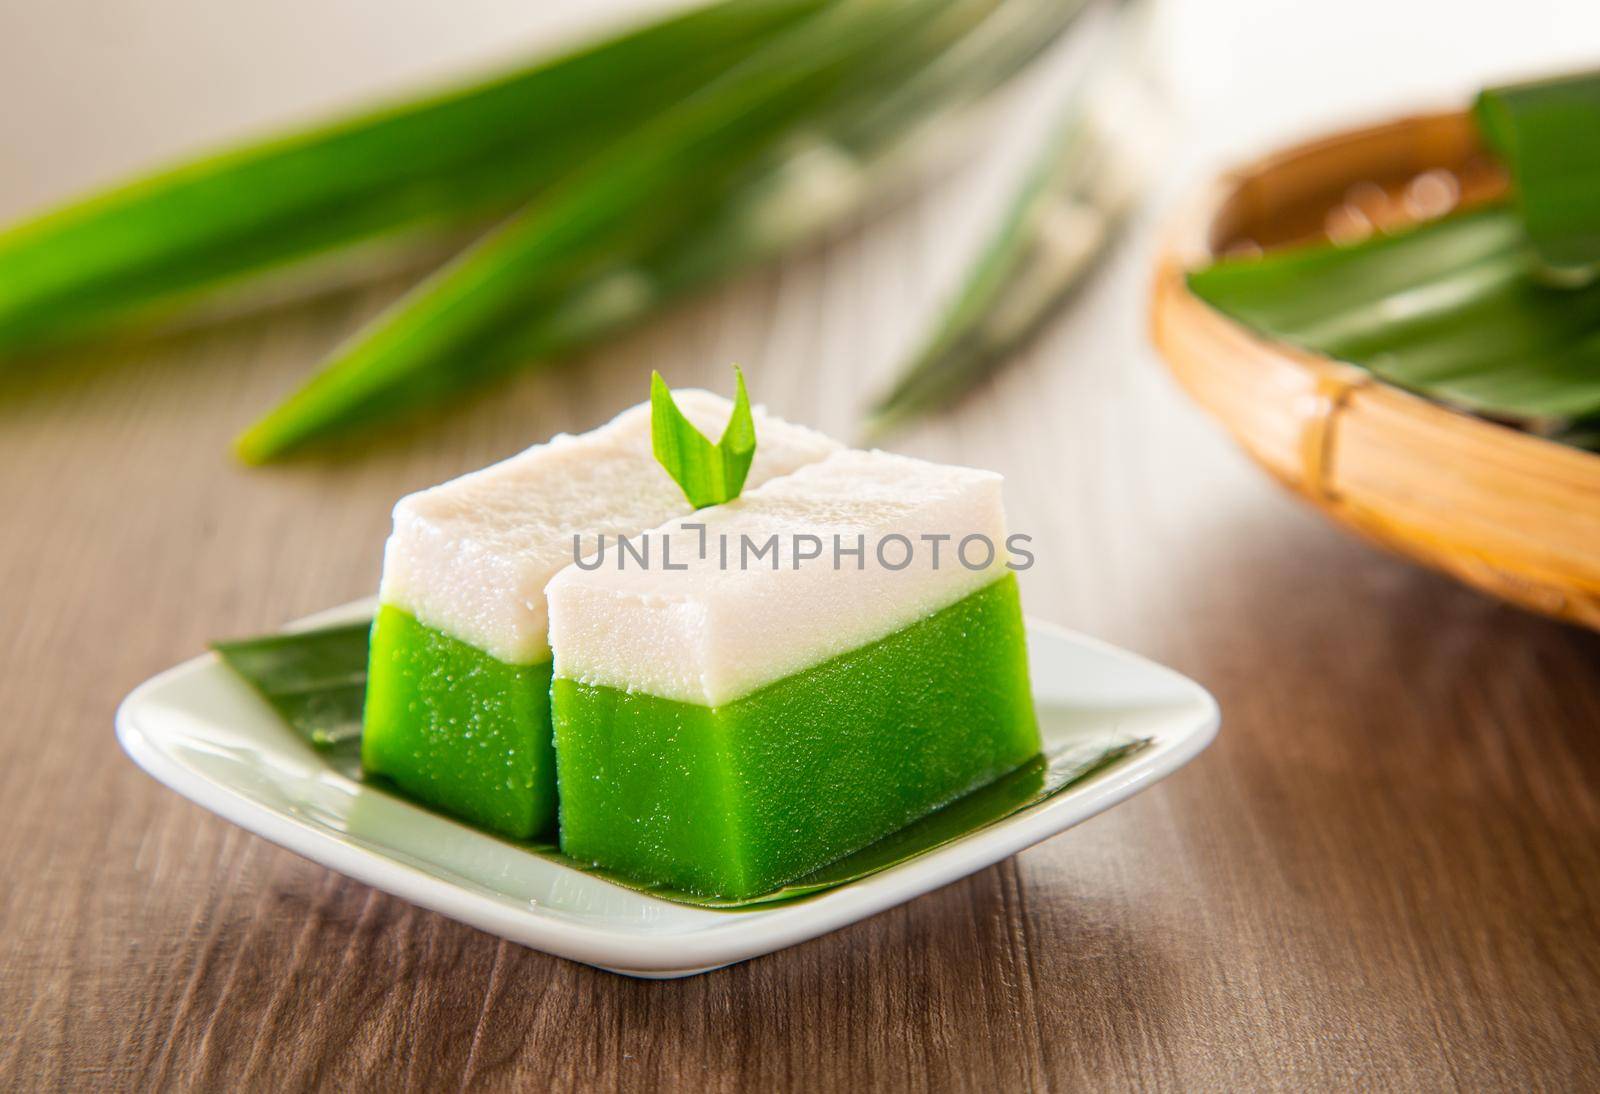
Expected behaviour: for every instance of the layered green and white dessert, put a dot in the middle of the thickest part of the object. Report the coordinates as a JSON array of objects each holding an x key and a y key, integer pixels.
[
  {"x": 724, "y": 725},
  {"x": 458, "y": 693}
]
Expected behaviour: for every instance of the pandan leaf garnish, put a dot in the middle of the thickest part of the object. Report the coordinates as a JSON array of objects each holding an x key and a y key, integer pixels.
[{"x": 709, "y": 474}]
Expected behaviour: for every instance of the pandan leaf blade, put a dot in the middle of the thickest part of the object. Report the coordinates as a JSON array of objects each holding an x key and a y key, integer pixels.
[
  {"x": 1457, "y": 310},
  {"x": 737, "y": 445},
  {"x": 693, "y": 219},
  {"x": 154, "y": 245},
  {"x": 1548, "y": 133}
]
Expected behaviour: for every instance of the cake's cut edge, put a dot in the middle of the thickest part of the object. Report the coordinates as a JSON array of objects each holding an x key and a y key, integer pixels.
[{"x": 457, "y": 729}]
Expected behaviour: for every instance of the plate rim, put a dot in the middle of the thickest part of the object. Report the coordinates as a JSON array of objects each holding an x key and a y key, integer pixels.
[{"x": 746, "y": 933}]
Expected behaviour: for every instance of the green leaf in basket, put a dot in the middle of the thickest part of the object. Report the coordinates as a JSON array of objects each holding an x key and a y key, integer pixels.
[
  {"x": 1456, "y": 310},
  {"x": 446, "y": 160},
  {"x": 315, "y": 680},
  {"x": 709, "y": 474},
  {"x": 782, "y": 145},
  {"x": 1548, "y": 132}
]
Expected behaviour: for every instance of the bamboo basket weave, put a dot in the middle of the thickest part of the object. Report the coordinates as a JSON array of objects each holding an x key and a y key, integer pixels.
[{"x": 1505, "y": 511}]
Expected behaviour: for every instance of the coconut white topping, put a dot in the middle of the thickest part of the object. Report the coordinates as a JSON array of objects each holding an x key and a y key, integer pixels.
[
  {"x": 472, "y": 557},
  {"x": 732, "y": 621}
]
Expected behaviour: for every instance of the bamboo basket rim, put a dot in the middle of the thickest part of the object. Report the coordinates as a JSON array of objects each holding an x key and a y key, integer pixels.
[{"x": 1509, "y": 512}]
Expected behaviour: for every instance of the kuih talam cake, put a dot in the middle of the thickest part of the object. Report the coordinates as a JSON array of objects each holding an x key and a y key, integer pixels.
[
  {"x": 726, "y": 723},
  {"x": 458, "y": 693}
]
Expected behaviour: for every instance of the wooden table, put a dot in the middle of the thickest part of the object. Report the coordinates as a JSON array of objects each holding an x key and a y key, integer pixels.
[{"x": 1385, "y": 873}]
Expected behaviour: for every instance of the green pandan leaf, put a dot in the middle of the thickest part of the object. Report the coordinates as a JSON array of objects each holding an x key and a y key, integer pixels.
[
  {"x": 1548, "y": 132},
  {"x": 316, "y": 680},
  {"x": 445, "y": 160},
  {"x": 819, "y": 122},
  {"x": 1456, "y": 310},
  {"x": 710, "y": 474}
]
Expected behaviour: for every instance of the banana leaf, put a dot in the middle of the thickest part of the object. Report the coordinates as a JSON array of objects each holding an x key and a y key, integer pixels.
[
  {"x": 315, "y": 681},
  {"x": 708, "y": 189},
  {"x": 1457, "y": 310},
  {"x": 1548, "y": 133},
  {"x": 159, "y": 243}
]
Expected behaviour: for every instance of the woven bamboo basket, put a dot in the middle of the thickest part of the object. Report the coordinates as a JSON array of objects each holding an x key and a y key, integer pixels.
[{"x": 1505, "y": 511}]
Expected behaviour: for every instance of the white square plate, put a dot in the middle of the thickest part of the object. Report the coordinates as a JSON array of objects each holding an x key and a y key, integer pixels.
[{"x": 204, "y": 733}]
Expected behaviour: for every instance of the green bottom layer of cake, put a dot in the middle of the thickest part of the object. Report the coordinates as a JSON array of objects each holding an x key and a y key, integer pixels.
[
  {"x": 736, "y": 800},
  {"x": 459, "y": 730}
]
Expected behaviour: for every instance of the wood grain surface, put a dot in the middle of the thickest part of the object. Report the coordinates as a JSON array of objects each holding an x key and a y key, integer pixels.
[{"x": 1384, "y": 875}]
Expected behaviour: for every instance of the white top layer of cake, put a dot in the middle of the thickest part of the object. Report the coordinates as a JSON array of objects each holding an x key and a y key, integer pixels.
[
  {"x": 713, "y": 632},
  {"x": 472, "y": 557}
]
